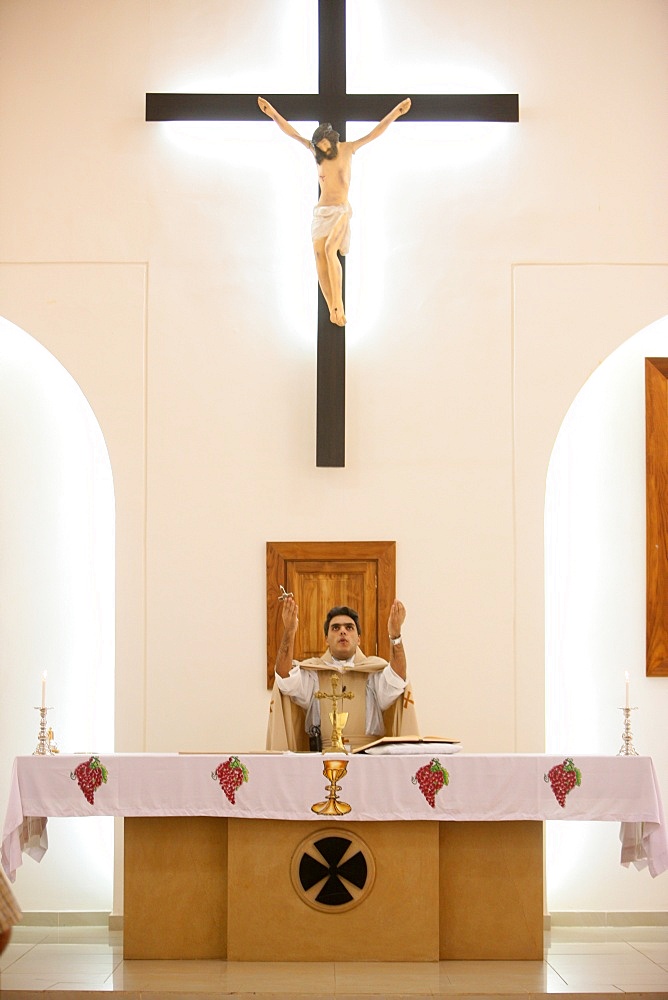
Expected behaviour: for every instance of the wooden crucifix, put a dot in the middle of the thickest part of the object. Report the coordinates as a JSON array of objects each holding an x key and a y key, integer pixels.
[{"x": 332, "y": 104}]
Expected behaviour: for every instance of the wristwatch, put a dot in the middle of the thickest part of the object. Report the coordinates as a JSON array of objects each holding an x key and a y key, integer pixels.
[{"x": 396, "y": 641}]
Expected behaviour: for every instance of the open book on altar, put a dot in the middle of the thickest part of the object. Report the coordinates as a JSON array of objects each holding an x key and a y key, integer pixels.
[{"x": 410, "y": 745}]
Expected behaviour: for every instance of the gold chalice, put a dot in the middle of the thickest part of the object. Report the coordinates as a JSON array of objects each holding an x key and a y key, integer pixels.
[{"x": 333, "y": 770}]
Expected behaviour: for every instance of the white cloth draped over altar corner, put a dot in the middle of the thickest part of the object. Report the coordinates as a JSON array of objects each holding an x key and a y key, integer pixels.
[{"x": 488, "y": 787}]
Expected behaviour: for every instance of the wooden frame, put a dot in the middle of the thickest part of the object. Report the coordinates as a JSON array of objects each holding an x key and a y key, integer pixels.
[
  {"x": 656, "y": 458},
  {"x": 282, "y": 557}
]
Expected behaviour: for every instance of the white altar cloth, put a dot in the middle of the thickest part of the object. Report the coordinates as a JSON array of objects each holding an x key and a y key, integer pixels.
[{"x": 488, "y": 787}]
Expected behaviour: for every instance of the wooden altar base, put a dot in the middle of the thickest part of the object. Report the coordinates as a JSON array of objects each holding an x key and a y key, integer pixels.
[{"x": 207, "y": 887}]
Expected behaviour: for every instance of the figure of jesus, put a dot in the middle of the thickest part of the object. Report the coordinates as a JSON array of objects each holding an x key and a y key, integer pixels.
[{"x": 330, "y": 229}]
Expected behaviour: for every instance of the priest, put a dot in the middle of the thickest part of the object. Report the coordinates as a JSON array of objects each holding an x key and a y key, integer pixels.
[{"x": 381, "y": 705}]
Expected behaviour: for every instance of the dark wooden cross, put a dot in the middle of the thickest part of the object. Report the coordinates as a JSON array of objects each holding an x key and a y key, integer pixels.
[{"x": 334, "y": 105}]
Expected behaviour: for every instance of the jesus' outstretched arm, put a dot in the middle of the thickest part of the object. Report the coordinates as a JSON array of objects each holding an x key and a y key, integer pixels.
[
  {"x": 395, "y": 113},
  {"x": 285, "y": 126}
]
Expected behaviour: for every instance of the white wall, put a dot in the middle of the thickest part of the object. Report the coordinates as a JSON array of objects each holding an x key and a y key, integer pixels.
[{"x": 188, "y": 288}]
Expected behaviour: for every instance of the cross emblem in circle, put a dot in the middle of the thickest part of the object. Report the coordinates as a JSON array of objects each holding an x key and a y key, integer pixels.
[{"x": 333, "y": 871}]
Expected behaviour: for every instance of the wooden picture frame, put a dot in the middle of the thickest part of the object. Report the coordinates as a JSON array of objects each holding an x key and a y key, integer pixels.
[
  {"x": 321, "y": 575},
  {"x": 656, "y": 460}
]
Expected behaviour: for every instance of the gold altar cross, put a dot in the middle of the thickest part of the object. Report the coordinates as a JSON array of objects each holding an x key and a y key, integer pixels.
[{"x": 338, "y": 719}]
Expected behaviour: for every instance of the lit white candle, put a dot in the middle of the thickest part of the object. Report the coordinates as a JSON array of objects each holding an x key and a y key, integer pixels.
[
  {"x": 626, "y": 675},
  {"x": 44, "y": 689}
]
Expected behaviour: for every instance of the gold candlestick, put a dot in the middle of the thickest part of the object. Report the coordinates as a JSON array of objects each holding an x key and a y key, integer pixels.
[
  {"x": 338, "y": 719},
  {"x": 333, "y": 770},
  {"x": 627, "y": 749},
  {"x": 45, "y": 746}
]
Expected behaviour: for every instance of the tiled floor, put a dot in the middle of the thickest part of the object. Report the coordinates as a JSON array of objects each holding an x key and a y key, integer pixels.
[{"x": 578, "y": 961}]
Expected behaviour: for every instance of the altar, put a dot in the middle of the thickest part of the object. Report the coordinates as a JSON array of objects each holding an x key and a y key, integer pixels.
[{"x": 414, "y": 858}]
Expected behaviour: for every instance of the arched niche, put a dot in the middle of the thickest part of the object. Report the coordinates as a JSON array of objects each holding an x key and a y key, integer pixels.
[
  {"x": 595, "y": 612},
  {"x": 56, "y": 601}
]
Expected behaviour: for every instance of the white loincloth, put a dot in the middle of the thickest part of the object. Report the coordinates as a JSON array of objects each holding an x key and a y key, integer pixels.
[{"x": 324, "y": 219}]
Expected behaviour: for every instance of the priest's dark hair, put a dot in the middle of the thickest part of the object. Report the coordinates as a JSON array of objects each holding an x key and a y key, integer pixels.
[{"x": 343, "y": 610}]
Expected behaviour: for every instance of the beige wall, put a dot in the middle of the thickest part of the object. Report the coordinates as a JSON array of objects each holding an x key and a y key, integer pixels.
[{"x": 164, "y": 282}]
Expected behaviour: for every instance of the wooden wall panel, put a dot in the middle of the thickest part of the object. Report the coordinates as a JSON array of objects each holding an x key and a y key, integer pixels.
[
  {"x": 656, "y": 432},
  {"x": 319, "y": 586}
]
